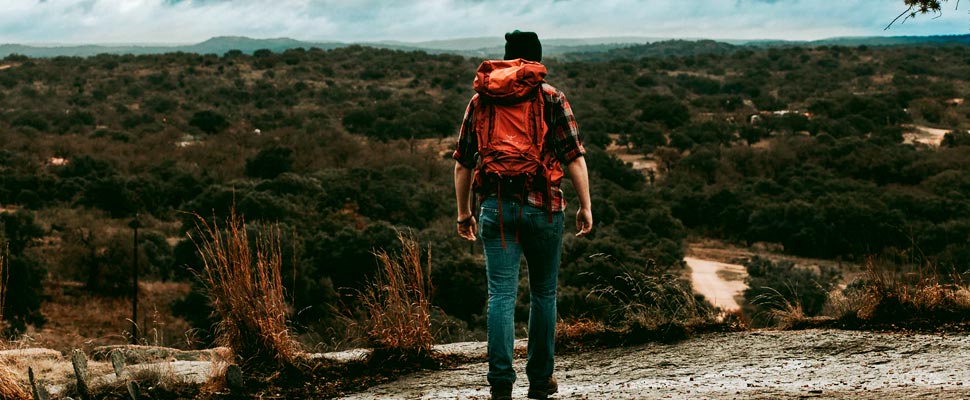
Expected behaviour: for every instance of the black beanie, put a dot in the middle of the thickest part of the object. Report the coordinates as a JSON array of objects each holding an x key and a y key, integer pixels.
[{"x": 523, "y": 45}]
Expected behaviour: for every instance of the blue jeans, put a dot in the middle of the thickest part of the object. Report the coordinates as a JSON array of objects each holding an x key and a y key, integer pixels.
[{"x": 527, "y": 230}]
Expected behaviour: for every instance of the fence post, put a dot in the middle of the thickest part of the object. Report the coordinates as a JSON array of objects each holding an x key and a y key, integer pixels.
[{"x": 81, "y": 373}]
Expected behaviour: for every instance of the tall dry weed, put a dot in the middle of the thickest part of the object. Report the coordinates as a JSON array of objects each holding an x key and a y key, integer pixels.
[
  {"x": 10, "y": 386},
  {"x": 775, "y": 307},
  {"x": 245, "y": 287},
  {"x": 398, "y": 303}
]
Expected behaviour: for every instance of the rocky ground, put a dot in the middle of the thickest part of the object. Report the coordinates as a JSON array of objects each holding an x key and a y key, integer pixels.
[
  {"x": 748, "y": 365},
  {"x": 745, "y": 365}
]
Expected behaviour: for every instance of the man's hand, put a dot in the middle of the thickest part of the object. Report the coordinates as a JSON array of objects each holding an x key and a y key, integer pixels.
[
  {"x": 584, "y": 221},
  {"x": 467, "y": 227}
]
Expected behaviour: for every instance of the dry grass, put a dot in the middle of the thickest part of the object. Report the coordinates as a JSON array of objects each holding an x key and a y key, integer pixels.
[
  {"x": 650, "y": 301},
  {"x": 11, "y": 388},
  {"x": 246, "y": 289},
  {"x": 926, "y": 294},
  {"x": 782, "y": 311},
  {"x": 579, "y": 331},
  {"x": 80, "y": 319},
  {"x": 844, "y": 304},
  {"x": 398, "y": 303},
  {"x": 216, "y": 381}
]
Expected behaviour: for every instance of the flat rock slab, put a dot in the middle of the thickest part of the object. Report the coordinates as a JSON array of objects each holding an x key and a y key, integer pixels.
[
  {"x": 134, "y": 354},
  {"x": 755, "y": 365},
  {"x": 30, "y": 354},
  {"x": 192, "y": 372},
  {"x": 466, "y": 349}
]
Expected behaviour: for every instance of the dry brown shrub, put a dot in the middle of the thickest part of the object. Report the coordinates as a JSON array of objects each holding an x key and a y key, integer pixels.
[
  {"x": 649, "y": 300},
  {"x": 784, "y": 312},
  {"x": 398, "y": 302},
  {"x": 577, "y": 331},
  {"x": 215, "y": 382},
  {"x": 735, "y": 319},
  {"x": 842, "y": 304},
  {"x": 246, "y": 289},
  {"x": 925, "y": 294},
  {"x": 10, "y": 386}
]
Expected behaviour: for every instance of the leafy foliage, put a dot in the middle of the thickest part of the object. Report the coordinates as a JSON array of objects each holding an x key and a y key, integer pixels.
[
  {"x": 23, "y": 274},
  {"x": 806, "y": 147},
  {"x": 775, "y": 287}
]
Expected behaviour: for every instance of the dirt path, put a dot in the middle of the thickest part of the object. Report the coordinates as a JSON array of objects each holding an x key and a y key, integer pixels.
[
  {"x": 720, "y": 283},
  {"x": 925, "y": 135},
  {"x": 758, "y": 365}
]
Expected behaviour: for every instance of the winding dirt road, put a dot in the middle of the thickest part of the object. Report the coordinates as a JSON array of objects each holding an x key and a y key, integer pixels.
[{"x": 708, "y": 278}]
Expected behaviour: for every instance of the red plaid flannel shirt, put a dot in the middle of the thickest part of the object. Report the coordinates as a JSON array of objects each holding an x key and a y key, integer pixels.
[{"x": 562, "y": 139}]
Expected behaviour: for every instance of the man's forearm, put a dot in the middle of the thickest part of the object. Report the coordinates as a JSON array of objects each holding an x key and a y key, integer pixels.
[
  {"x": 463, "y": 185},
  {"x": 580, "y": 178}
]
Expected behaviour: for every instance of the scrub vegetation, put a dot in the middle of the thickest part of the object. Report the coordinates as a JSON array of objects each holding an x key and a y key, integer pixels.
[{"x": 331, "y": 154}]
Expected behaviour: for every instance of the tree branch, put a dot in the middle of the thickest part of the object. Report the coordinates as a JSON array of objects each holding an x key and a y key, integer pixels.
[{"x": 908, "y": 10}]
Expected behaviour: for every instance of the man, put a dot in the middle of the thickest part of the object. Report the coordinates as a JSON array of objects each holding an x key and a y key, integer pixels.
[{"x": 522, "y": 214}]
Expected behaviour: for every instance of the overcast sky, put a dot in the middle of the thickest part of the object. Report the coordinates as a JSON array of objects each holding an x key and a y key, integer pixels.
[{"x": 190, "y": 21}]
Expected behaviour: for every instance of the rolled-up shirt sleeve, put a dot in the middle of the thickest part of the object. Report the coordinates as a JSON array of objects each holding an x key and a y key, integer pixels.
[
  {"x": 565, "y": 131},
  {"x": 466, "y": 149}
]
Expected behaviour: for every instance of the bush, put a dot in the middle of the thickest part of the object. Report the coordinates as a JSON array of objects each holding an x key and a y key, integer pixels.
[
  {"x": 666, "y": 110},
  {"x": 103, "y": 260},
  {"x": 904, "y": 296},
  {"x": 270, "y": 163},
  {"x": 644, "y": 299},
  {"x": 23, "y": 274},
  {"x": 780, "y": 291},
  {"x": 209, "y": 121}
]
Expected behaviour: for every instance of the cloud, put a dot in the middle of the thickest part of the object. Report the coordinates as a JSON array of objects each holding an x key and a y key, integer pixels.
[{"x": 171, "y": 21}]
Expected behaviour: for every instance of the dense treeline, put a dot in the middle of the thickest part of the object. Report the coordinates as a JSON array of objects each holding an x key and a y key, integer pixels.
[{"x": 796, "y": 146}]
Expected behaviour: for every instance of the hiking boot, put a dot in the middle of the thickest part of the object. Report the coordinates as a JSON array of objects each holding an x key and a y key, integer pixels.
[
  {"x": 502, "y": 391},
  {"x": 542, "y": 390}
]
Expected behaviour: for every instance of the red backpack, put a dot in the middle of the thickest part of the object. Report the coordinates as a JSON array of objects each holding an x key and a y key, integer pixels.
[
  {"x": 511, "y": 130},
  {"x": 509, "y": 120}
]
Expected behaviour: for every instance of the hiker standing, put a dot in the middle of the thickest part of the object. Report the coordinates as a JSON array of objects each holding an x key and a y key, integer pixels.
[{"x": 517, "y": 133}]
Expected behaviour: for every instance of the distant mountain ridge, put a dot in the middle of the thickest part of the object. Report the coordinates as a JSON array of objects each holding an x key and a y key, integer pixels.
[
  {"x": 486, "y": 47},
  {"x": 217, "y": 45}
]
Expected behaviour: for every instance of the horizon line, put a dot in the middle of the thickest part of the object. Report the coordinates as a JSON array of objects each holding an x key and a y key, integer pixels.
[{"x": 498, "y": 39}]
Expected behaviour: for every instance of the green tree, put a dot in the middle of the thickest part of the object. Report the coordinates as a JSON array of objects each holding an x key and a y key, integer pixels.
[
  {"x": 19, "y": 231},
  {"x": 270, "y": 163},
  {"x": 209, "y": 121},
  {"x": 663, "y": 109}
]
